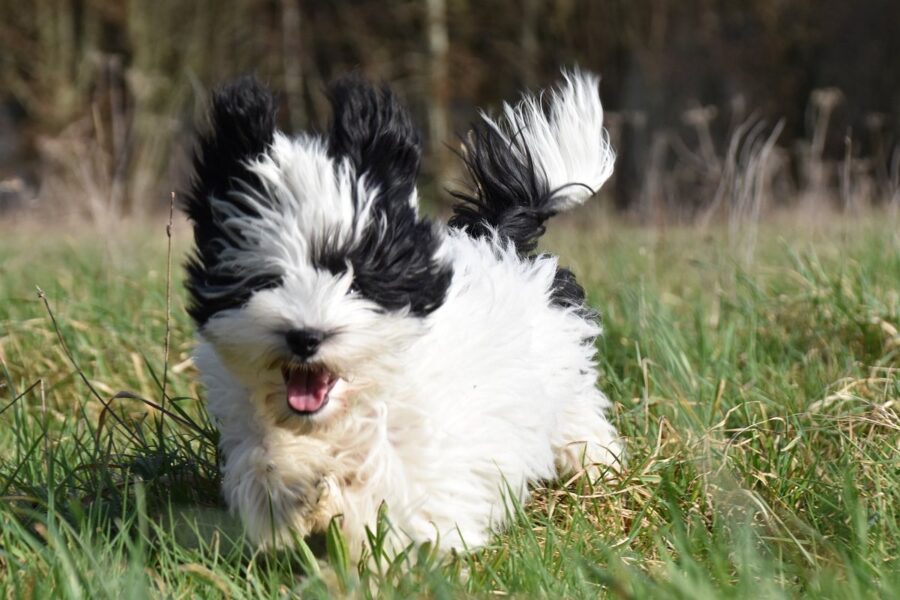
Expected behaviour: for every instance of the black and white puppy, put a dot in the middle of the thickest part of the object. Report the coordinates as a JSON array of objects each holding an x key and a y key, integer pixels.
[{"x": 356, "y": 353}]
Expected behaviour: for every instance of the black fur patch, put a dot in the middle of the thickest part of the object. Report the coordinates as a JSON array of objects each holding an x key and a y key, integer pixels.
[
  {"x": 394, "y": 262},
  {"x": 511, "y": 197},
  {"x": 241, "y": 126},
  {"x": 568, "y": 293},
  {"x": 374, "y": 130}
]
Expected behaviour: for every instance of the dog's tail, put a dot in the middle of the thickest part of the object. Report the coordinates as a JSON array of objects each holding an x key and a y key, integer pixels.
[{"x": 536, "y": 160}]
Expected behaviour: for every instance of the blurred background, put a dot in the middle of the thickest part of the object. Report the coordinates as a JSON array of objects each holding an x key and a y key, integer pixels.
[{"x": 718, "y": 109}]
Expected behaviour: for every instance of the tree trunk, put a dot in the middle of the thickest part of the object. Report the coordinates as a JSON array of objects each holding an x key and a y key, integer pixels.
[
  {"x": 529, "y": 42},
  {"x": 293, "y": 62},
  {"x": 438, "y": 45}
]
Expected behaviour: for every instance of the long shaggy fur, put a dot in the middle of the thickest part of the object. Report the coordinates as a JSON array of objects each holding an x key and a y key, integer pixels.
[
  {"x": 355, "y": 353},
  {"x": 534, "y": 162}
]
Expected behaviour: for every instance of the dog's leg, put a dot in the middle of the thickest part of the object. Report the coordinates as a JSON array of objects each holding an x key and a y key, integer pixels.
[
  {"x": 586, "y": 440},
  {"x": 280, "y": 488}
]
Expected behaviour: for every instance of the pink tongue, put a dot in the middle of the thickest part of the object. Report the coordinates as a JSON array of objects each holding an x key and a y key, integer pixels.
[{"x": 307, "y": 390}]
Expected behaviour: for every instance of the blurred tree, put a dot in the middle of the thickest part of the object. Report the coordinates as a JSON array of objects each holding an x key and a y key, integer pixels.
[{"x": 123, "y": 81}]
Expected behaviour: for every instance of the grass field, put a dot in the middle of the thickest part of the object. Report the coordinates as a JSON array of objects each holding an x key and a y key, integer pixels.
[{"x": 758, "y": 392}]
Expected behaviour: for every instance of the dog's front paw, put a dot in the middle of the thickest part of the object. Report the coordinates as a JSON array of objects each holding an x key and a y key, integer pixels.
[
  {"x": 329, "y": 503},
  {"x": 277, "y": 495}
]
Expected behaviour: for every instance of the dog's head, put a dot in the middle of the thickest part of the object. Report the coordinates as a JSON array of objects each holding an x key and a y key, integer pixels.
[{"x": 312, "y": 271}]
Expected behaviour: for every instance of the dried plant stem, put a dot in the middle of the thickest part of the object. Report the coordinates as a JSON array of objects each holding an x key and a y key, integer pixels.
[
  {"x": 166, "y": 345},
  {"x": 71, "y": 358}
]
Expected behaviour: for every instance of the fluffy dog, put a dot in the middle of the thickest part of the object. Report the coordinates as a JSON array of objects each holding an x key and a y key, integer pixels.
[{"x": 356, "y": 353}]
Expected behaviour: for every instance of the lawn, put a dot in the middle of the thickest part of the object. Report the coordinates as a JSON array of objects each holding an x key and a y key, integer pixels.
[{"x": 756, "y": 377}]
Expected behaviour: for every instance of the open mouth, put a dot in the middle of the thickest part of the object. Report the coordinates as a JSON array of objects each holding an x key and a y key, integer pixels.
[{"x": 308, "y": 386}]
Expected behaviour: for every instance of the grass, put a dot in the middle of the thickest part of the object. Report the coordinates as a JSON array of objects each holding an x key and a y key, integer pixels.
[{"x": 759, "y": 399}]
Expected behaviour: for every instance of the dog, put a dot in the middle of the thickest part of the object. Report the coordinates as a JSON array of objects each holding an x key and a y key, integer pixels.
[{"x": 356, "y": 354}]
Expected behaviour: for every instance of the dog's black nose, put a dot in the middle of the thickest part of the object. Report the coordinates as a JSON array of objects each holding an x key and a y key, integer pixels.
[{"x": 304, "y": 342}]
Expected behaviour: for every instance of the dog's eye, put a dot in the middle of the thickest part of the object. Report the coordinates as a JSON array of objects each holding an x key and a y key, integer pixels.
[{"x": 354, "y": 288}]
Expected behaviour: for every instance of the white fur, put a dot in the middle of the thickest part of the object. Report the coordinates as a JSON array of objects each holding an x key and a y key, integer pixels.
[
  {"x": 305, "y": 200},
  {"x": 439, "y": 417},
  {"x": 569, "y": 146}
]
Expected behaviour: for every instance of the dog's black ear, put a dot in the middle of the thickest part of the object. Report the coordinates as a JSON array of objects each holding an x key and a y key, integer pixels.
[
  {"x": 395, "y": 260},
  {"x": 241, "y": 127},
  {"x": 374, "y": 130}
]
